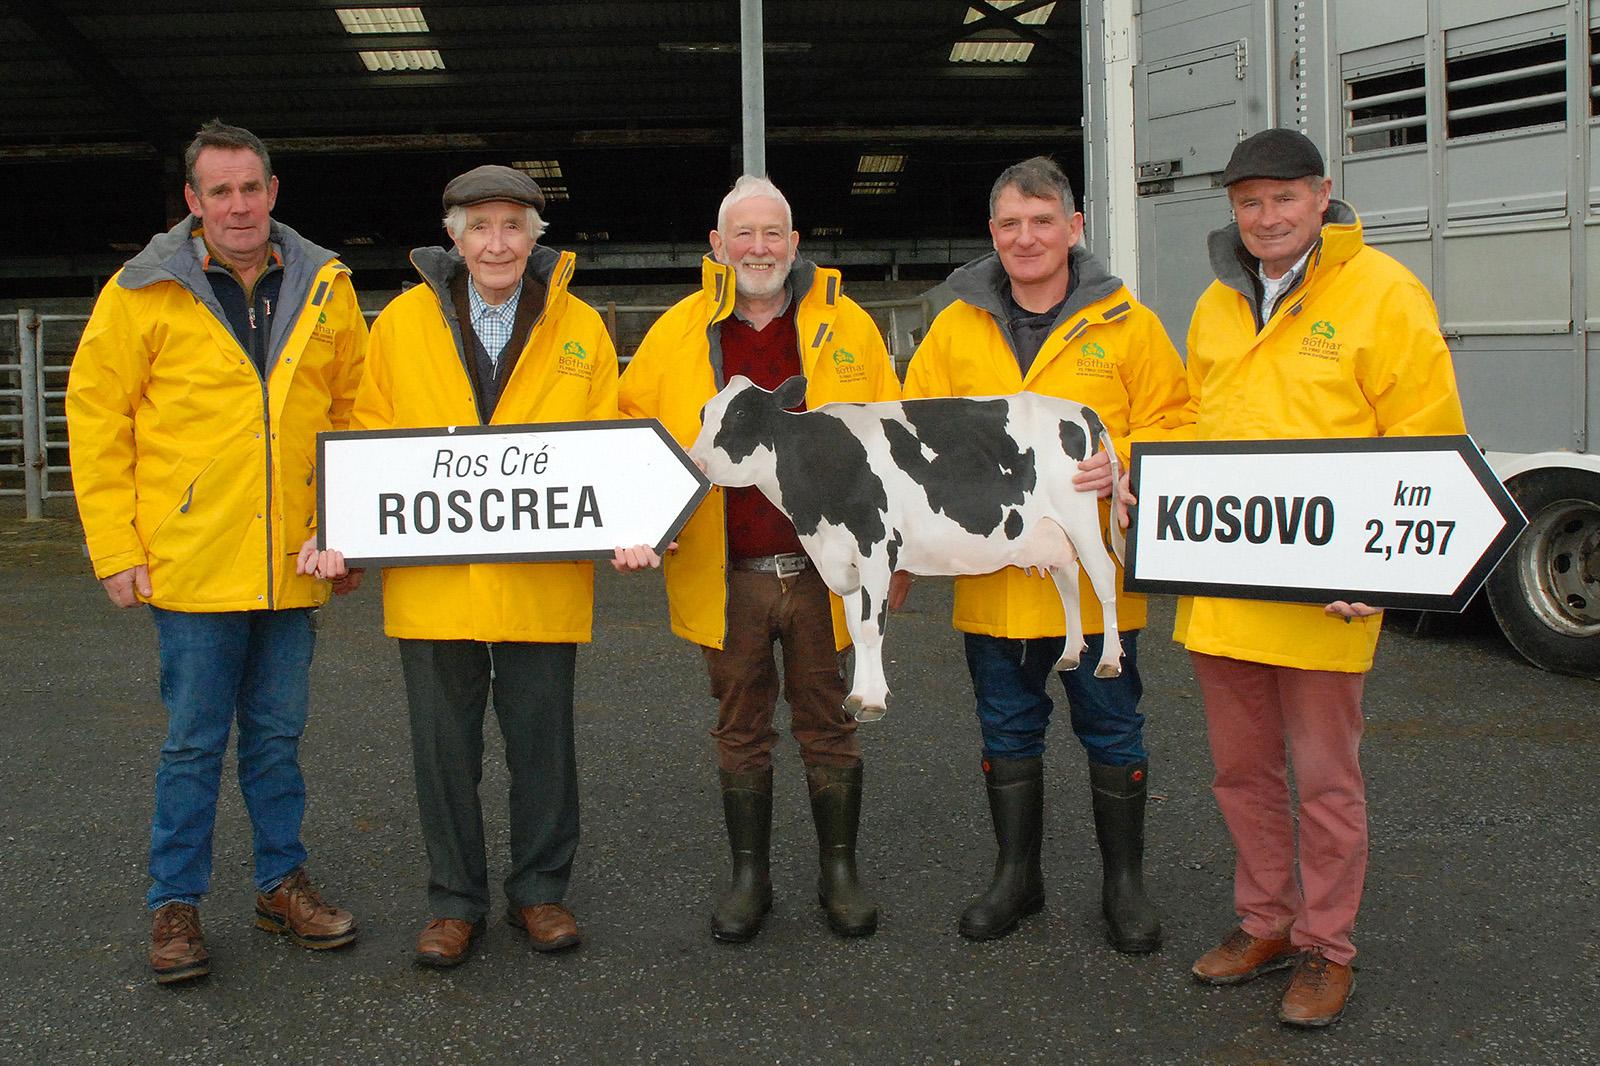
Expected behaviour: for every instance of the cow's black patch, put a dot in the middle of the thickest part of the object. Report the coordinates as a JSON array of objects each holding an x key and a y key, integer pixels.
[
  {"x": 747, "y": 424},
  {"x": 1097, "y": 428},
  {"x": 978, "y": 467},
  {"x": 866, "y": 605},
  {"x": 1013, "y": 525},
  {"x": 1073, "y": 442},
  {"x": 824, "y": 475},
  {"x": 894, "y": 551}
]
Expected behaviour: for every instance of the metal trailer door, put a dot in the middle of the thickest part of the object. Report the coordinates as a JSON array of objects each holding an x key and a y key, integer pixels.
[{"x": 1198, "y": 88}]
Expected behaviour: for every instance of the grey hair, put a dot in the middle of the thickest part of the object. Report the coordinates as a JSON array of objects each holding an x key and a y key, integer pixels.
[
  {"x": 455, "y": 221},
  {"x": 1038, "y": 177},
  {"x": 747, "y": 187},
  {"x": 218, "y": 134}
]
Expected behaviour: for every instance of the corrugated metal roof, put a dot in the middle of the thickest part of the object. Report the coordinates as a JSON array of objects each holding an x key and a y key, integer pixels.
[{"x": 644, "y": 128}]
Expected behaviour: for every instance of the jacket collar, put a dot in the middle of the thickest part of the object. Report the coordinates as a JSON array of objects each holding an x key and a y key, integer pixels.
[
  {"x": 1340, "y": 239},
  {"x": 983, "y": 282},
  {"x": 439, "y": 266},
  {"x": 717, "y": 283}
]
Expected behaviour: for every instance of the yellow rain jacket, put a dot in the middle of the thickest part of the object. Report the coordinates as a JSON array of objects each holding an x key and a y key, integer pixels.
[
  {"x": 183, "y": 458},
  {"x": 1106, "y": 350},
  {"x": 1352, "y": 350},
  {"x": 417, "y": 377},
  {"x": 678, "y": 368}
]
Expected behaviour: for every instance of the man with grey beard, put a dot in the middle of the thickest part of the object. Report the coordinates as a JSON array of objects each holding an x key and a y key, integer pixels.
[{"x": 740, "y": 581}]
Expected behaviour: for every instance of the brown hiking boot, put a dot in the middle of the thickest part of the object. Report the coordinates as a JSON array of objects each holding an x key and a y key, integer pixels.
[
  {"x": 297, "y": 909},
  {"x": 1242, "y": 957},
  {"x": 177, "y": 947},
  {"x": 1317, "y": 993}
]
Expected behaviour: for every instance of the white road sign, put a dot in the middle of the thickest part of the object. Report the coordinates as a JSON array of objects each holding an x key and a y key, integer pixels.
[
  {"x": 560, "y": 490},
  {"x": 1413, "y": 522}
]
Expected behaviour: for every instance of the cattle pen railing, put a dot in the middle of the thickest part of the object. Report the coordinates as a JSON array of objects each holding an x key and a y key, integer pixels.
[{"x": 36, "y": 356}]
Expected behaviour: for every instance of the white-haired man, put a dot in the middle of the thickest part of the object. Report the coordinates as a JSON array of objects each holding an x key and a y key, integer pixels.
[
  {"x": 492, "y": 338},
  {"x": 740, "y": 580}
]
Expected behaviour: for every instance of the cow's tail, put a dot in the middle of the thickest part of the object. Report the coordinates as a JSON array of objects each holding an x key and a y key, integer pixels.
[{"x": 1118, "y": 538}]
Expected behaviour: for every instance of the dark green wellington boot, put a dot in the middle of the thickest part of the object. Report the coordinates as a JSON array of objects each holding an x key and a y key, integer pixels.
[
  {"x": 1016, "y": 805},
  {"x": 1132, "y": 925},
  {"x": 836, "y": 808},
  {"x": 747, "y": 806}
]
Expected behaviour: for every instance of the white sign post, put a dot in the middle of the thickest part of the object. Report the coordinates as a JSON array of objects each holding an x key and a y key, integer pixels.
[
  {"x": 1415, "y": 522},
  {"x": 566, "y": 490}
]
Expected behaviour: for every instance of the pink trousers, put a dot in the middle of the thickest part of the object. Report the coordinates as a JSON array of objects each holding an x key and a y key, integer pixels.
[{"x": 1260, "y": 719}]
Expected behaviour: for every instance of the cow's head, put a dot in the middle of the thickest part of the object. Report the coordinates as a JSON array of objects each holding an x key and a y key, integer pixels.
[{"x": 737, "y": 430}]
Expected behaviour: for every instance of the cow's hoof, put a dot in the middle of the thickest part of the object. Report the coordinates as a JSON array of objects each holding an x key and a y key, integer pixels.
[
  {"x": 858, "y": 708},
  {"x": 1066, "y": 664},
  {"x": 1108, "y": 670}
]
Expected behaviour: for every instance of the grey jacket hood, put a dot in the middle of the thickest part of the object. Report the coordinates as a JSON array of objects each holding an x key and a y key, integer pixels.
[
  {"x": 982, "y": 283},
  {"x": 170, "y": 256},
  {"x": 1236, "y": 268}
]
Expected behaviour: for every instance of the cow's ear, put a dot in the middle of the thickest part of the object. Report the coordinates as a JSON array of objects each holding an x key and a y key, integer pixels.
[{"x": 791, "y": 393}]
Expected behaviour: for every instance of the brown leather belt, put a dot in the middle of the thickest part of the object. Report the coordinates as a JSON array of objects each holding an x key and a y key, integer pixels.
[{"x": 786, "y": 565}]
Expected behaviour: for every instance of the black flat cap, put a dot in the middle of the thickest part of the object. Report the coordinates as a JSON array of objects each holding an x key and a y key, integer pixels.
[
  {"x": 1282, "y": 155},
  {"x": 480, "y": 185}
]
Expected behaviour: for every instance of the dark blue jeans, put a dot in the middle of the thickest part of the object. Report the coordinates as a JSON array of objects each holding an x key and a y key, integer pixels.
[
  {"x": 1009, "y": 677},
  {"x": 253, "y": 666}
]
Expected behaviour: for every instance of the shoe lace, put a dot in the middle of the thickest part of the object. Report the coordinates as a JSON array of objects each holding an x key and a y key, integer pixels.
[
  {"x": 174, "y": 922},
  {"x": 1313, "y": 972},
  {"x": 300, "y": 885},
  {"x": 1238, "y": 942}
]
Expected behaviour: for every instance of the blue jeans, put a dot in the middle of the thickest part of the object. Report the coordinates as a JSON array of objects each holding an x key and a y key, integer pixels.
[
  {"x": 253, "y": 665},
  {"x": 1009, "y": 677}
]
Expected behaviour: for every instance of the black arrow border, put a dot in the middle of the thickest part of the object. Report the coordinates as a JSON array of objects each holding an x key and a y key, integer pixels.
[
  {"x": 702, "y": 487},
  {"x": 1462, "y": 445}
]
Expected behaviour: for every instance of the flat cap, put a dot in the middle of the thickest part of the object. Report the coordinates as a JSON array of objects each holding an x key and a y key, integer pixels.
[
  {"x": 480, "y": 185},
  {"x": 1282, "y": 155}
]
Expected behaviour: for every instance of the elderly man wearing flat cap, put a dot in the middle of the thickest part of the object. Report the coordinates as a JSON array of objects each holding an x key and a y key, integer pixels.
[
  {"x": 492, "y": 338},
  {"x": 1306, "y": 332}
]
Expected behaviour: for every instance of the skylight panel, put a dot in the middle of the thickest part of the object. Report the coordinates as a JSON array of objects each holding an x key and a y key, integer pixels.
[
  {"x": 415, "y": 59},
  {"x": 382, "y": 19},
  {"x": 999, "y": 45}
]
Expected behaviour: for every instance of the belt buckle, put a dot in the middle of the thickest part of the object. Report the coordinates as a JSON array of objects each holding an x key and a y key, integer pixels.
[{"x": 800, "y": 562}]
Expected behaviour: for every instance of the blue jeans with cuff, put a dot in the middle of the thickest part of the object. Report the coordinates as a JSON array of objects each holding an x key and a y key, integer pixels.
[
  {"x": 249, "y": 666},
  {"x": 1009, "y": 678}
]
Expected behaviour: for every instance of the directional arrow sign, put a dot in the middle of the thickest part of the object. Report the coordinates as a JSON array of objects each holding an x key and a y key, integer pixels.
[
  {"x": 1392, "y": 522},
  {"x": 559, "y": 490}
]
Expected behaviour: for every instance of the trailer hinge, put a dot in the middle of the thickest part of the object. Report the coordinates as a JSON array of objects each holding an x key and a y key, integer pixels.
[{"x": 1241, "y": 57}]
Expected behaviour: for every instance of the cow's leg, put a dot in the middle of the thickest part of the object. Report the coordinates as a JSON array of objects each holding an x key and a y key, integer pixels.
[
  {"x": 865, "y": 612},
  {"x": 1052, "y": 549},
  {"x": 1103, "y": 576}
]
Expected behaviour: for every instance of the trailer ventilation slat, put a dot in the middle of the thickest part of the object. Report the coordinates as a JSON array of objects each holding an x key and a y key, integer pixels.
[
  {"x": 1387, "y": 110},
  {"x": 1506, "y": 89}
]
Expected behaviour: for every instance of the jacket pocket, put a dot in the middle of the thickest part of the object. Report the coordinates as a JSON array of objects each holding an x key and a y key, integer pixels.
[{"x": 187, "y": 478}]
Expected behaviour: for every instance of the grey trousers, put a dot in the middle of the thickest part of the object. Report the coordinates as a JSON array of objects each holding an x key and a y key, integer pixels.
[{"x": 448, "y": 683}]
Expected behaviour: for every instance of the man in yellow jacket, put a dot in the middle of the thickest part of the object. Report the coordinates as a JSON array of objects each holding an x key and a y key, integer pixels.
[
  {"x": 1043, "y": 315},
  {"x": 493, "y": 337},
  {"x": 1307, "y": 332},
  {"x": 740, "y": 580},
  {"x": 211, "y": 361}
]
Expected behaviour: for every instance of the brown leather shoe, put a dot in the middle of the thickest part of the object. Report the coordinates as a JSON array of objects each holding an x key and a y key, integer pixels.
[
  {"x": 298, "y": 910},
  {"x": 1242, "y": 957},
  {"x": 550, "y": 926},
  {"x": 446, "y": 942},
  {"x": 177, "y": 947},
  {"x": 1317, "y": 993}
]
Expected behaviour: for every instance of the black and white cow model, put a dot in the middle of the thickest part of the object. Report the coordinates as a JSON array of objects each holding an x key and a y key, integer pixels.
[{"x": 942, "y": 486}]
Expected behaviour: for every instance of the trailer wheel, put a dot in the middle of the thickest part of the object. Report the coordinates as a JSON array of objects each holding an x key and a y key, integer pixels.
[{"x": 1546, "y": 593}]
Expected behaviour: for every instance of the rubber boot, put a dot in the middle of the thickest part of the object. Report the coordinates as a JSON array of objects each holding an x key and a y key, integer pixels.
[
  {"x": 747, "y": 806},
  {"x": 836, "y": 809},
  {"x": 1016, "y": 805},
  {"x": 1132, "y": 925}
]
